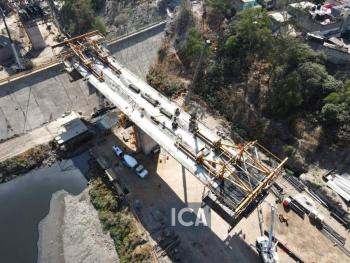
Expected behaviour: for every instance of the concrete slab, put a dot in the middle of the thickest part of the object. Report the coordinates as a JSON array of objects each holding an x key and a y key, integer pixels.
[{"x": 41, "y": 97}]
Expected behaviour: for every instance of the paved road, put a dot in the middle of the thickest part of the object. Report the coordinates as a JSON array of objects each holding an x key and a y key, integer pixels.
[{"x": 38, "y": 136}]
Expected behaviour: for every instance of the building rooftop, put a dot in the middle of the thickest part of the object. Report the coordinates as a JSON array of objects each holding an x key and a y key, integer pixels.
[
  {"x": 281, "y": 17},
  {"x": 71, "y": 130},
  {"x": 108, "y": 121}
]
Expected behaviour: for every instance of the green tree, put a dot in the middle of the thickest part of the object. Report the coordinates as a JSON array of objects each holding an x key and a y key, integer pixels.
[
  {"x": 192, "y": 47},
  {"x": 78, "y": 16},
  {"x": 252, "y": 38},
  {"x": 100, "y": 25},
  {"x": 300, "y": 81},
  {"x": 336, "y": 113},
  {"x": 340, "y": 96},
  {"x": 217, "y": 10}
]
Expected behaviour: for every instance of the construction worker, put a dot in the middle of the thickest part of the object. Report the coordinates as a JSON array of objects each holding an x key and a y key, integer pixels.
[{"x": 283, "y": 219}]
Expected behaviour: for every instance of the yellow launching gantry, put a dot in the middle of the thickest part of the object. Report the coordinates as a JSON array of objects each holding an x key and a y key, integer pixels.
[
  {"x": 82, "y": 46},
  {"x": 242, "y": 171}
]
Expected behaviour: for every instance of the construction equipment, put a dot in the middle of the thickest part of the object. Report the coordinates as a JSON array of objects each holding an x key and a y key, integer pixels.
[
  {"x": 264, "y": 244},
  {"x": 283, "y": 246},
  {"x": 295, "y": 206}
]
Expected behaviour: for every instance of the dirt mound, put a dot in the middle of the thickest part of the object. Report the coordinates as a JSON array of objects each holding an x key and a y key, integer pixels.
[{"x": 72, "y": 232}]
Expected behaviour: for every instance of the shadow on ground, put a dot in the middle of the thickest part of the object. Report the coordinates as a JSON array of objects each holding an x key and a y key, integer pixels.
[{"x": 153, "y": 200}]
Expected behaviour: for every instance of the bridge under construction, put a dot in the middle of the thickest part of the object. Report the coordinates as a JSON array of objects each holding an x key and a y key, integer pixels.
[{"x": 236, "y": 175}]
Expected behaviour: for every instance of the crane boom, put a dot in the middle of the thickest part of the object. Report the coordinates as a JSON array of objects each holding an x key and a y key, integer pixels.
[
  {"x": 265, "y": 245},
  {"x": 272, "y": 227}
]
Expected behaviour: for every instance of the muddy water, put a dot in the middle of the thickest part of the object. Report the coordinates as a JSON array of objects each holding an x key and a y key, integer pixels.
[{"x": 25, "y": 201}]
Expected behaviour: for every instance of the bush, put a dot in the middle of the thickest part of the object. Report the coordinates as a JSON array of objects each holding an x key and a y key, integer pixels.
[
  {"x": 192, "y": 47},
  {"x": 336, "y": 113},
  {"x": 78, "y": 16},
  {"x": 121, "y": 19},
  {"x": 100, "y": 25},
  {"x": 161, "y": 81},
  {"x": 217, "y": 11},
  {"x": 117, "y": 220},
  {"x": 24, "y": 161}
]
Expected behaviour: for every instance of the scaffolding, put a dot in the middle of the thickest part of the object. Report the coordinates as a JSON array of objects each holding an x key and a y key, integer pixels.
[
  {"x": 87, "y": 48},
  {"x": 239, "y": 171}
]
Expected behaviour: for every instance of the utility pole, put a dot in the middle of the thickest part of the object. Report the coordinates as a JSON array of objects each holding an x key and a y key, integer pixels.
[
  {"x": 195, "y": 75},
  {"x": 13, "y": 47}
]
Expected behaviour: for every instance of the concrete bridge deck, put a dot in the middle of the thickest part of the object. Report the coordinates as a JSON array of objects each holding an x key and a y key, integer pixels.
[{"x": 235, "y": 173}]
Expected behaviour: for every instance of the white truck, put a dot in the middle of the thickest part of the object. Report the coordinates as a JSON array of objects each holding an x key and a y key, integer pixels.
[{"x": 130, "y": 162}]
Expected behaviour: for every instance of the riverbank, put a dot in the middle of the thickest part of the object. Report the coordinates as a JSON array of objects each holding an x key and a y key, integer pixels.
[
  {"x": 25, "y": 201},
  {"x": 72, "y": 232},
  {"x": 129, "y": 238},
  {"x": 40, "y": 155}
]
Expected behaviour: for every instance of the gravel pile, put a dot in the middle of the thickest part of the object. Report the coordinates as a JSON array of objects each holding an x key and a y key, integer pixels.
[{"x": 72, "y": 232}]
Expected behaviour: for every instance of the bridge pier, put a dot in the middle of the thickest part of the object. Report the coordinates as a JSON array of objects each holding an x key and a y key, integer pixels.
[{"x": 144, "y": 142}]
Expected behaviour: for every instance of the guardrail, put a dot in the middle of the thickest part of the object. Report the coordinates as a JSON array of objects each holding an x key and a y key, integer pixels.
[
  {"x": 43, "y": 66},
  {"x": 112, "y": 40}
]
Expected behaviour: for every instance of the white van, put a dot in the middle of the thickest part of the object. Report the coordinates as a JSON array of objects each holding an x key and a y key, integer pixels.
[{"x": 130, "y": 161}]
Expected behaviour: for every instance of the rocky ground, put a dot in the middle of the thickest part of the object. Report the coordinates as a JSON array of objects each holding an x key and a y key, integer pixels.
[
  {"x": 126, "y": 16},
  {"x": 73, "y": 220}
]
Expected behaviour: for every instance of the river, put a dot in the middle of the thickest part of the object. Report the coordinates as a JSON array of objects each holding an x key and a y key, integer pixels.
[{"x": 25, "y": 201}]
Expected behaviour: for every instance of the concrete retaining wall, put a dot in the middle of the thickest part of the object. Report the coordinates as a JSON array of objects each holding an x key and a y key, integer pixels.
[{"x": 30, "y": 101}]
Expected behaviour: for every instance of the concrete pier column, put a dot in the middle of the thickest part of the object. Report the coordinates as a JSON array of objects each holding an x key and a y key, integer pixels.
[{"x": 146, "y": 143}]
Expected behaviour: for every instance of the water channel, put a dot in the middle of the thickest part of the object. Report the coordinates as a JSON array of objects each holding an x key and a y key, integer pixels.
[{"x": 25, "y": 201}]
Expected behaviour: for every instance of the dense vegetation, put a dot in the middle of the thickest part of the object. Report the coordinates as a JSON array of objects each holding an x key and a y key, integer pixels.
[
  {"x": 218, "y": 10},
  {"x": 118, "y": 221},
  {"x": 168, "y": 85},
  {"x": 23, "y": 162},
  {"x": 80, "y": 17},
  {"x": 290, "y": 79}
]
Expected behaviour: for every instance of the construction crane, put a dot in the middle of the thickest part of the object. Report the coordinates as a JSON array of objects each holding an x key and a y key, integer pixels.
[{"x": 265, "y": 245}]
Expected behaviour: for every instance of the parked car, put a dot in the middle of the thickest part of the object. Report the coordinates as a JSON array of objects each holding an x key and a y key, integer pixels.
[
  {"x": 119, "y": 152},
  {"x": 129, "y": 161},
  {"x": 141, "y": 171}
]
